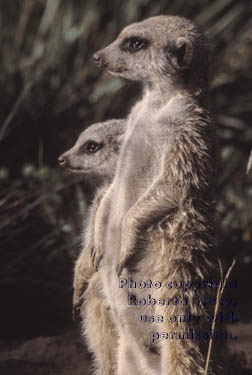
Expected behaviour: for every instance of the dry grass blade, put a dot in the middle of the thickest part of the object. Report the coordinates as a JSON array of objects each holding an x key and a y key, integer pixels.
[
  {"x": 249, "y": 165},
  {"x": 47, "y": 19},
  {"x": 14, "y": 110},
  {"x": 23, "y": 21},
  {"x": 219, "y": 295},
  {"x": 211, "y": 11}
]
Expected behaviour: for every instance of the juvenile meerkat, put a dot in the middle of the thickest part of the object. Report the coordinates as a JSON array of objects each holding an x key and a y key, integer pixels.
[
  {"x": 95, "y": 155},
  {"x": 95, "y": 152},
  {"x": 156, "y": 220}
]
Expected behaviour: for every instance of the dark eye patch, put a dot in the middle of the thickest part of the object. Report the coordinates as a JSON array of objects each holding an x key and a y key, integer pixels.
[
  {"x": 90, "y": 147},
  {"x": 133, "y": 44}
]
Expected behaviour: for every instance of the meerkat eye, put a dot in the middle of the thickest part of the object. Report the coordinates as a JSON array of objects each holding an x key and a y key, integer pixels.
[
  {"x": 91, "y": 147},
  {"x": 134, "y": 44}
]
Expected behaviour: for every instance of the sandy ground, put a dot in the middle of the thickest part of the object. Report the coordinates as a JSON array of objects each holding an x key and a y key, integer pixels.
[{"x": 65, "y": 354}]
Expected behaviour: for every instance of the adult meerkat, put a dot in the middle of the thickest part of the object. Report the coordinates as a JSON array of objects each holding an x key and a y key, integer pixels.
[
  {"x": 156, "y": 221},
  {"x": 95, "y": 155}
]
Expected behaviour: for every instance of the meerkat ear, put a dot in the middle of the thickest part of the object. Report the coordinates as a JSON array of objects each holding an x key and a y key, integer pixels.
[{"x": 183, "y": 53}]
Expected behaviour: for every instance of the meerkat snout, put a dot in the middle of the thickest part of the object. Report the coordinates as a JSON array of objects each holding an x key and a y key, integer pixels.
[
  {"x": 98, "y": 59},
  {"x": 62, "y": 160},
  {"x": 67, "y": 160}
]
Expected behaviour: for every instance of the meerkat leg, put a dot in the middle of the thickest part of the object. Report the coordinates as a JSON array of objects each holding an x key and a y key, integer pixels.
[
  {"x": 128, "y": 360},
  {"x": 181, "y": 357},
  {"x": 182, "y": 352},
  {"x": 98, "y": 329}
]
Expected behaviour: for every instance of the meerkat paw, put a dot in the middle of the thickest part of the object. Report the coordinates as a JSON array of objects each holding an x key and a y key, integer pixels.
[
  {"x": 82, "y": 273},
  {"x": 127, "y": 249}
]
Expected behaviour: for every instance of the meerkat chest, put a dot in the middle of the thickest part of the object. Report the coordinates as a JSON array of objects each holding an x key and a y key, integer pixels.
[{"x": 139, "y": 162}]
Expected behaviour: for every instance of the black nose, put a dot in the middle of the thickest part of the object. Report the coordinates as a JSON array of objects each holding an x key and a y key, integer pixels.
[
  {"x": 62, "y": 160},
  {"x": 98, "y": 59}
]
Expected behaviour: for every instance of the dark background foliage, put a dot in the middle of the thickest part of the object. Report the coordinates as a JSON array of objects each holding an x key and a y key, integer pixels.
[{"x": 50, "y": 91}]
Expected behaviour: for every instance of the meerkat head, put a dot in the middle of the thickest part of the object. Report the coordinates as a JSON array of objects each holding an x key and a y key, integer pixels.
[
  {"x": 158, "y": 49},
  {"x": 96, "y": 151}
]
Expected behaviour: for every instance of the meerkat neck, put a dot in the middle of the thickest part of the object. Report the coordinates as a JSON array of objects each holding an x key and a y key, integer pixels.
[{"x": 160, "y": 94}]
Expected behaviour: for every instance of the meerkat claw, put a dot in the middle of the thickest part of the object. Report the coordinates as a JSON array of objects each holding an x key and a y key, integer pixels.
[
  {"x": 76, "y": 312},
  {"x": 97, "y": 262},
  {"x": 94, "y": 259},
  {"x": 92, "y": 252},
  {"x": 120, "y": 268}
]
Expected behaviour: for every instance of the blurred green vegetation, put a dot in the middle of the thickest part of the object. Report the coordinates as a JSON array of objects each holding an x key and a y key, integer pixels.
[{"x": 51, "y": 91}]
